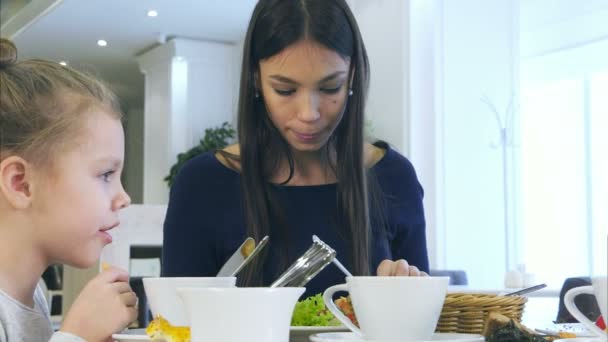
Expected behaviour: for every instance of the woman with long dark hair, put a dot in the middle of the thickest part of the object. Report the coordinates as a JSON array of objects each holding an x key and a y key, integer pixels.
[{"x": 301, "y": 165}]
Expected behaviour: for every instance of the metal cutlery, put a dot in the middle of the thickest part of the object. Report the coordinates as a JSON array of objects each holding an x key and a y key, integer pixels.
[
  {"x": 315, "y": 259},
  {"x": 241, "y": 257}
]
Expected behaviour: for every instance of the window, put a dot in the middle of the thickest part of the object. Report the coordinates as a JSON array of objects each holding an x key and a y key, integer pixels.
[{"x": 563, "y": 165}]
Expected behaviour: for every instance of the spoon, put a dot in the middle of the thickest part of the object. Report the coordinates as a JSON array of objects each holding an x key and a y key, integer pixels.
[
  {"x": 335, "y": 260},
  {"x": 527, "y": 290}
]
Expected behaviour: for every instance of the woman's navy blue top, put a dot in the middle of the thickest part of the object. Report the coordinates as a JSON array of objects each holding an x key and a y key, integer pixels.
[{"x": 205, "y": 222}]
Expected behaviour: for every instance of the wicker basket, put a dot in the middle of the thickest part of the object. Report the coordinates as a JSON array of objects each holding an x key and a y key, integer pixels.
[{"x": 467, "y": 312}]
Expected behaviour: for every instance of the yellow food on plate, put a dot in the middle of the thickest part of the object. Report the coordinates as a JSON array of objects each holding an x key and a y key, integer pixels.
[
  {"x": 160, "y": 329},
  {"x": 563, "y": 334}
]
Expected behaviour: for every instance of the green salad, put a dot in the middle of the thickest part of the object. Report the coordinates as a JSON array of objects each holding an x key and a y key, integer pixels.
[{"x": 312, "y": 312}]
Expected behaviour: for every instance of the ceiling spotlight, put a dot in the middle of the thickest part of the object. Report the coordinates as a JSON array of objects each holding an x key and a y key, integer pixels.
[
  {"x": 152, "y": 13},
  {"x": 102, "y": 42},
  {"x": 64, "y": 63}
]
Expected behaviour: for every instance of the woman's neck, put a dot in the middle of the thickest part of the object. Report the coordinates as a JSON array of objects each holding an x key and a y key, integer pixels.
[
  {"x": 310, "y": 168},
  {"x": 21, "y": 264}
]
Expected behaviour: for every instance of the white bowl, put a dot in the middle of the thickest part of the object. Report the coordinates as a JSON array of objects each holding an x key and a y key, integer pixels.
[
  {"x": 163, "y": 299},
  {"x": 240, "y": 314}
]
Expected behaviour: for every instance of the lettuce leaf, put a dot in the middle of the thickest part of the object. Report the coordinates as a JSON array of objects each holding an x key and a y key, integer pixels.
[{"x": 312, "y": 312}]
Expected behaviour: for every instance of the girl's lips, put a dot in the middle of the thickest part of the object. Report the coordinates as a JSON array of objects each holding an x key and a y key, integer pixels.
[{"x": 105, "y": 236}]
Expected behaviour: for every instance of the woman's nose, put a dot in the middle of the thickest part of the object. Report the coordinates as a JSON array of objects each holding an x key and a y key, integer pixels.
[{"x": 308, "y": 110}]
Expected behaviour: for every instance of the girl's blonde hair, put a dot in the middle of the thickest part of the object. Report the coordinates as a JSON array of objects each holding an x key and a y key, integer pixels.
[{"x": 42, "y": 103}]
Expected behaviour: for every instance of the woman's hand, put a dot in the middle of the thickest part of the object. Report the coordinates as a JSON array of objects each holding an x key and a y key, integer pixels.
[
  {"x": 398, "y": 268},
  {"x": 106, "y": 305}
]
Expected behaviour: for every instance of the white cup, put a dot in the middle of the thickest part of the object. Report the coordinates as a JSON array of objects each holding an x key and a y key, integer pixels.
[
  {"x": 599, "y": 288},
  {"x": 392, "y": 308},
  {"x": 240, "y": 314},
  {"x": 163, "y": 299}
]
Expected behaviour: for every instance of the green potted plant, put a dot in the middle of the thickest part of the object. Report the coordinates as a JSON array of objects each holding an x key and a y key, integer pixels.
[{"x": 214, "y": 139}]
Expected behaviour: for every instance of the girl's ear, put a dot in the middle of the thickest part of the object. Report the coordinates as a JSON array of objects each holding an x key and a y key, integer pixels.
[{"x": 15, "y": 182}]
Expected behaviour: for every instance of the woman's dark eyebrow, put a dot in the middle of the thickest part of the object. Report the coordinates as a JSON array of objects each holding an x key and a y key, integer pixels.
[{"x": 284, "y": 79}]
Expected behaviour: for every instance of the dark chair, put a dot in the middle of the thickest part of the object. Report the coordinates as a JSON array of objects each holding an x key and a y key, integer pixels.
[
  {"x": 143, "y": 252},
  {"x": 457, "y": 277},
  {"x": 586, "y": 303},
  {"x": 53, "y": 279}
]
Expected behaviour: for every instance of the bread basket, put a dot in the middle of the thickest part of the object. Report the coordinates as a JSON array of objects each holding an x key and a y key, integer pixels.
[{"x": 468, "y": 312}]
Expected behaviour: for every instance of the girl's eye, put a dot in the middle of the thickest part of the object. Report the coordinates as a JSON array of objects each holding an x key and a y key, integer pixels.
[
  {"x": 331, "y": 91},
  {"x": 106, "y": 176},
  {"x": 285, "y": 92}
]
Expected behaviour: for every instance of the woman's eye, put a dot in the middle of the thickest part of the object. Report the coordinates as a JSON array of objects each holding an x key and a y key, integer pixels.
[
  {"x": 331, "y": 91},
  {"x": 283, "y": 92}
]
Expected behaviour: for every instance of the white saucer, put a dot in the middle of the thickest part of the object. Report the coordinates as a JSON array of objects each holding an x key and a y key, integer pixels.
[
  {"x": 579, "y": 339},
  {"x": 349, "y": 336},
  {"x": 314, "y": 329},
  {"x": 296, "y": 333},
  {"x": 576, "y": 328},
  {"x": 303, "y": 333},
  {"x": 131, "y": 335}
]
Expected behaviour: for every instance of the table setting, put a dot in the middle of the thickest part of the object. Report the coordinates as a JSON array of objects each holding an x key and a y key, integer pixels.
[{"x": 377, "y": 309}]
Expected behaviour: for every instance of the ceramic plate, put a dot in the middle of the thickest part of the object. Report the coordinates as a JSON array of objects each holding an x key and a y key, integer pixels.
[
  {"x": 349, "y": 336},
  {"x": 131, "y": 335},
  {"x": 579, "y": 339},
  {"x": 318, "y": 329},
  {"x": 302, "y": 334},
  {"x": 576, "y": 328},
  {"x": 296, "y": 334}
]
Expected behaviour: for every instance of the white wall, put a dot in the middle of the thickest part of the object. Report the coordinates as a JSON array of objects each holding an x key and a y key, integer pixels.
[
  {"x": 384, "y": 27},
  {"x": 399, "y": 37},
  {"x": 548, "y": 26}
]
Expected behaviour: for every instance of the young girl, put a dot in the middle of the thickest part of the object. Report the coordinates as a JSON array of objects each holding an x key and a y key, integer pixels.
[
  {"x": 302, "y": 166},
  {"x": 61, "y": 155}
]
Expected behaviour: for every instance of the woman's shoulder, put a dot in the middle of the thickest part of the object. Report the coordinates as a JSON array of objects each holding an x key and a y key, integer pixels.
[
  {"x": 389, "y": 159},
  {"x": 394, "y": 169},
  {"x": 202, "y": 170},
  {"x": 229, "y": 157}
]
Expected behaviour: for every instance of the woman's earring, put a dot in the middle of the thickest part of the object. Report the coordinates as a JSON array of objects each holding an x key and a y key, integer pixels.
[
  {"x": 257, "y": 95},
  {"x": 350, "y": 92}
]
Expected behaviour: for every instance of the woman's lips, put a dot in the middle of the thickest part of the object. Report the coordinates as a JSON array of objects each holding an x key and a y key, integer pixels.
[{"x": 306, "y": 137}]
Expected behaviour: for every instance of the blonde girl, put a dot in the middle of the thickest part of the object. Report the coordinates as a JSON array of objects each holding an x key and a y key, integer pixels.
[{"x": 61, "y": 156}]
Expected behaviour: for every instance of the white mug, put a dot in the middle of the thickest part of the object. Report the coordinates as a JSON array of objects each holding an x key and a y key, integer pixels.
[
  {"x": 162, "y": 295},
  {"x": 599, "y": 288},
  {"x": 240, "y": 314},
  {"x": 392, "y": 308}
]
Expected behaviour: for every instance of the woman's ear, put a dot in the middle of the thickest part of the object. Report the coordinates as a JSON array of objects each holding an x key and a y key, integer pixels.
[
  {"x": 257, "y": 83},
  {"x": 352, "y": 78},
  {"x": 15, "y": 182}
]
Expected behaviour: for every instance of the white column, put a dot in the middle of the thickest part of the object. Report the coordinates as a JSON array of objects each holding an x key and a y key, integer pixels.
[
  {"x": 422, "y": 134},
  {"x": 189, "y": 87}
]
